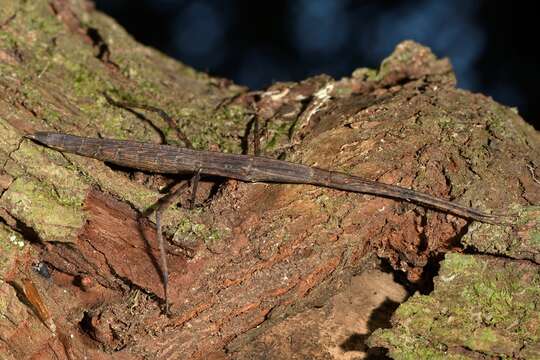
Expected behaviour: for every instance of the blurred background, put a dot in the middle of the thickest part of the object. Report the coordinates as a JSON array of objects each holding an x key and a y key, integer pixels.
[{"x": 491, "y": 44}]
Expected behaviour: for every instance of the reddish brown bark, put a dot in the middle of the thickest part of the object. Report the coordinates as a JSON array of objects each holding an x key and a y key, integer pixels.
[{"x": 261, "y": 252}]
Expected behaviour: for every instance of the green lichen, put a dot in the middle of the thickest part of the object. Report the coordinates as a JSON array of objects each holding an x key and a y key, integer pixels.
[
  {"x": 278, "y": 135},
  {"x": 10, "y": 138},
  {"x": 84, "y": 80},
  {"x": 188, "y": 231},
  {"x": 186, "y": 228},
  {"x": 222, "y": 127},
  {"x": 44, "y": 163},
  {"x": 366, "y": 74},
  {"x": 535, "y": 238},
  {"x": 37, "y": 17},
  {"x": 414, "y": 348},
  {"x": 522, "y": 241},
  {"x": 487, "y": 306},
  {"x": 39, "y": 206},
  {"x": 399, "y": 58},
  {"x": 115, "y": 183},
  {"x": 63, "y": 81}
]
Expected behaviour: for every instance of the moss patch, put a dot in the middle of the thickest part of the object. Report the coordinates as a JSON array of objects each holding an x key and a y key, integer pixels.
[
  {"x": 39, "y": 206},
  {"x": 480, "y": 307}
]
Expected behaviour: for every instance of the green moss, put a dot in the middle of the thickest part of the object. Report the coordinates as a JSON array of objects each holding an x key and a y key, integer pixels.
[
  {"x": 488, "y": 340},
  {"x": 116, "y": 183},
  {"x": 278, "y": 134},
  {"x": 84, "y": 80},
  {"x": 50, "y": 187},
  {"x": 39, "y": 18},
  {"x": 455, "y": 264},
  {"x": 365, "y": 74},
  {"x": 38, "y": 205},
  {"x": 535, "y": 238},
  {"x": 191, "y": 231},
  {"x": 411, "y": 347},
  {"x": 44, "y": 163},
  {"x": 222, "y": 127},
  {"x": 489, "y": 306}
]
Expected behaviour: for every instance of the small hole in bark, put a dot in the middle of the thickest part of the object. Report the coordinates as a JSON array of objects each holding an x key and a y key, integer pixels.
[
  {"x": 425, "y": 285},
  {"x": 86, "y": 324},
  {"x": 26, "y": 231},
  {"x": 399, "y": 276}
]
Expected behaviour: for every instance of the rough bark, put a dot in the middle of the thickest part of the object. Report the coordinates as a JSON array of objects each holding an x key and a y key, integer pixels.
[{"x": 261, "y": 252}]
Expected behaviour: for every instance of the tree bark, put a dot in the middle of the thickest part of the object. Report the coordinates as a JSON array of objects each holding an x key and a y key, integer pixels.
[{"x": 261, "y": 252}]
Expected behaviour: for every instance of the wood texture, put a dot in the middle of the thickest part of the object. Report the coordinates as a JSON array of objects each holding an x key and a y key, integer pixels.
[{"x": 263, "y": 252}]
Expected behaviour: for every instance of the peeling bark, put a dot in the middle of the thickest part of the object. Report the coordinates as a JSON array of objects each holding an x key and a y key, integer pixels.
[{"x": 261, "y": 252}]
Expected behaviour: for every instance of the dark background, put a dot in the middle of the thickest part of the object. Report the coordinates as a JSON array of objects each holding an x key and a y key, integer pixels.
[{"x": 491, "y": 44}]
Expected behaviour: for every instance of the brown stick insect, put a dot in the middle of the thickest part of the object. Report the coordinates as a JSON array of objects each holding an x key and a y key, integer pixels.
[{"x": 177, "y": 160}]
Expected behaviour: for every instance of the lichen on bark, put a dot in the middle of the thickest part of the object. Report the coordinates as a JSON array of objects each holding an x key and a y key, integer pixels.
[{"x": 481, "y": 306}]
